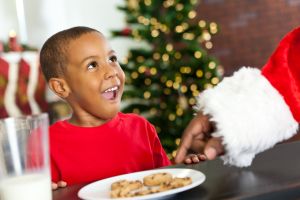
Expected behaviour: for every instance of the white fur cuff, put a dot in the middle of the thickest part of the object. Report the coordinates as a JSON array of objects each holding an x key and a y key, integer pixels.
[{"x": 250, "y": 115}]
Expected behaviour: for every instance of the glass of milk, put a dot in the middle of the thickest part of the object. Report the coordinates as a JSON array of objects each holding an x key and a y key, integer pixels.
[{"x": 24, "y": 158}]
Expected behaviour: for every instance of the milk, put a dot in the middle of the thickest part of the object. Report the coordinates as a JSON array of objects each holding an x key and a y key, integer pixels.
[{"x": 26, "y": 187}]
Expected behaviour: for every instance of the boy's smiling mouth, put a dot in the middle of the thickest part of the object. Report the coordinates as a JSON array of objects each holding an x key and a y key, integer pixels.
[{"x": 111, "y": 93}]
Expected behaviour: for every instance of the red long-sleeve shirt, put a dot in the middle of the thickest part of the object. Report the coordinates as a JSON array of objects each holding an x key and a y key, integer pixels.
[{"x": 127, "y": 143}]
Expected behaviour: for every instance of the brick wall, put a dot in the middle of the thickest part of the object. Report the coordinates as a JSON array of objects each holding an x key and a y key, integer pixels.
[{"x": 249, "y": 30}]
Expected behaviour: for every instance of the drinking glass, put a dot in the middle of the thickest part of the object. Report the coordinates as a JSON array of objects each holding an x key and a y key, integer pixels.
[{"x": 24, "y": 158}]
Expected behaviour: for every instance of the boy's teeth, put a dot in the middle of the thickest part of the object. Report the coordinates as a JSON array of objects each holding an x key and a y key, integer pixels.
[{"x": 111, "y": 89}]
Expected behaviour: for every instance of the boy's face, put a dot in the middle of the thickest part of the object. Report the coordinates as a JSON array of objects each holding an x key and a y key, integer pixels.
[{"x": 94, "y": 77}]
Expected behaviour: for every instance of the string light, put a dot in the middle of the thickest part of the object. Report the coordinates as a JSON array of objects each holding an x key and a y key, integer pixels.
[
  {"x": 212, "y": 65},
  {"x": 179, "y": 29},
  {"x": 215, "y": 80},
  {"x": 202, "y": 23},
  {"x": 169, "y": 47},
  {"x": 188, "y": 36},
  {"x": 167, "y": 91},
  {"x": 165, "y": 57},
  {"x": 196, "y": 93},
  {"x": 147, "y": 81},
  {"x": 134, "y": 75},
  {"x": 147, "y": 2},
  {"x": 206, "y": 36},
  {"x": 192, "y": 14},
  {"x": 140, "y": 59},
  {"x": 208, "y": 45},
  {"x": 172, "y": 117},
  {"x": 153, "y": 111},
  {"x": 156, "y": 56},
  {"x": 177, "y": 55},
  {"x": 179, "y": 7},
  {"x": 154, "y": 33},
  {"x": 198, "y": 54},
  {"x": 142, "y": 69},
  {"x": 208, "y": 85},
  {"x": 208, "y": 75},
  {"x": 179, "y": 112},
  {"x": 163, "y": 79},
  {"x": 213, "y": 27},
  {"x": 136, "y": 111},
  {"x": 193, "y": 87},
  {"x": 169, "y": 83},
  {"x": 177, "y": 141},
  {"x": 147, "y": 95},
  {"x": 176, "y": 85},
  {"x": 192, "y": 101},
  {"x": 199, "y": 73},
  {"x": 153, "y": 71},
  {"x": 183, "y": 89}
]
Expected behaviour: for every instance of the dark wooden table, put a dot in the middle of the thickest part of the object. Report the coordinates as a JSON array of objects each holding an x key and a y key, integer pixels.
[{"x": 274, "y": 174}]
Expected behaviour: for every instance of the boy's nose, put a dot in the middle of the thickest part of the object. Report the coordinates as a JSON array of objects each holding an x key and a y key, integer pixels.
[{"x": 110, "y": 73}]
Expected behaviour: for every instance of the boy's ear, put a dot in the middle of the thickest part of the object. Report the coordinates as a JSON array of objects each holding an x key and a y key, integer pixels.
[{"x": 59, "y": 87}]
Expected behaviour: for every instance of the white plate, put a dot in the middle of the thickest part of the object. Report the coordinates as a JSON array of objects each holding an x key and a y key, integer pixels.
[{"x": 100, "y": 190}]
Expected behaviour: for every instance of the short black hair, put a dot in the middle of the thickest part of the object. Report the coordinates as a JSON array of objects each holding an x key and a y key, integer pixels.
[{"x": 53, "y": 57}]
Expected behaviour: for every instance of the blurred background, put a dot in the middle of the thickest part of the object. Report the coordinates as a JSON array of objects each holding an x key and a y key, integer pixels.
[{"x": 170, "y": 50}]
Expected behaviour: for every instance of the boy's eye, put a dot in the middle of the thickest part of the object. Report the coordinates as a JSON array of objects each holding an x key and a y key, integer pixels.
[
  {"x": 113, "y": 59},
  {"x": 92, "y": 65}
]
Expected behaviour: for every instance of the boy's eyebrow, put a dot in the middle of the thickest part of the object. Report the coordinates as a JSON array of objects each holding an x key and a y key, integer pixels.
[{"x": 95, "y": 56}]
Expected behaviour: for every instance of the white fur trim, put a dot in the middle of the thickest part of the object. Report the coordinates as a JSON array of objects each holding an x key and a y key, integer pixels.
[
  {"x": 11, "y": 107},
  {"x": 32, "y": 59},
  {"x": 249, "y": 113}
]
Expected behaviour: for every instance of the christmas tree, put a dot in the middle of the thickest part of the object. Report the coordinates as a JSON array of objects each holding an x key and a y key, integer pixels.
[{"x": 165, "y": 76}]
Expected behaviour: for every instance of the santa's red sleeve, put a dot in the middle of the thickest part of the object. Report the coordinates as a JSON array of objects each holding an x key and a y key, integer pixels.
[{"x": 255, "y": 109}]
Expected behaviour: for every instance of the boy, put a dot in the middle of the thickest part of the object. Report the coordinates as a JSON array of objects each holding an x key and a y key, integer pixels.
[
  {"x": 252, "y": 110},
  {"x": 97, "y": 141}
]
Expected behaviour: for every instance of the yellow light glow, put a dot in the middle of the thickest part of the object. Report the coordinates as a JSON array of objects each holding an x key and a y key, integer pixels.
[
  {"x": 208, "y": 85},
  {"x": 169, "y": 47},
  {"x": 206, "y": 36},
  {"x": 193, "y": 87},
  {"x": 134, "y": 75},
  {"x": 177, "y": 55},
  {"x": 142, "y": 69},
  {"x": 147, "y": 81},
  {"x": 192, "y": 101},
  {"x": 188, "y": 36},
  {"x": 140, "y": 59},
  {"x": 192, "y": 14},
  {"x": 215, "y": 80},
  {"x": 183, "y": 89},
  {"x": 179, "y": 112},
  {"x": 148, "y": 2},
  {"x": 165, "y": 57},
  {"x": 147, "y": 95},
  {"x": 154, "y": 33},
  {"x": 213, "y": 28},
  {"x": 208, "y": 45},
  {"x": 153, "y": 71},
  {"x": 156, "y": 56},
  {"x": 199, "y": 73},
  {"x": 179, "y": 7},
  {"x": 172, "y": 117},
  {"x": 202, "y": 23},
  {"x": 212, "y": 65},
  {"x": 177, "y": 141},
  {"x": 198, "y": 54},
  {"x": 136, "y": 111},
  {"x": 176, "y": 85},
  {"x": 167, "y": 91},
  {"x": 169, "y": 83},
  {"x": 179, "y": 29}
]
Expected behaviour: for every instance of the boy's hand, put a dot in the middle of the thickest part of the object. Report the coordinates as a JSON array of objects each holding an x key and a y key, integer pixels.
[
  {"x": 197, "y": 137},
  {"x": 59, "y": 184}
]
